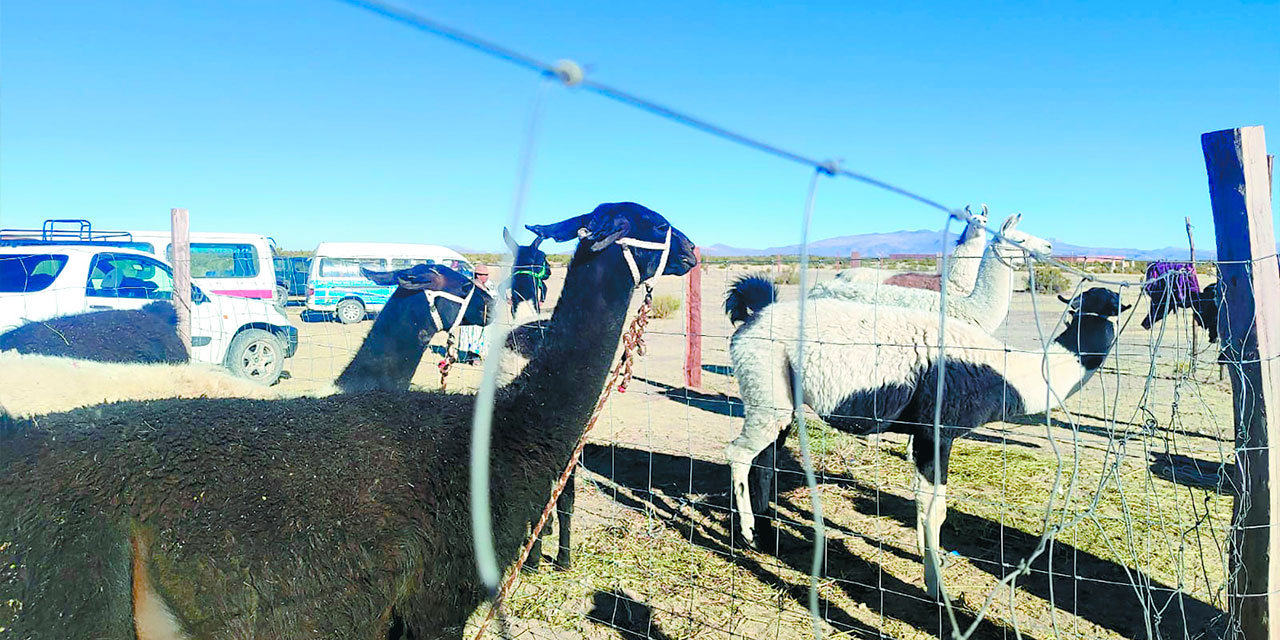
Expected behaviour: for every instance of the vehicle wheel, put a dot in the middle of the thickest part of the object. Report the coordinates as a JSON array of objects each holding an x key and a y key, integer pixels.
[
  {"x": 282, "y": 297},
  {"x": 256, "y": 355},
  {"x": 350, "y": 311}
]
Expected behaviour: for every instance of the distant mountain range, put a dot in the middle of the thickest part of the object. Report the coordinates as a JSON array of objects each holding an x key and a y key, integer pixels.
[{"x": 881, "y": 245}]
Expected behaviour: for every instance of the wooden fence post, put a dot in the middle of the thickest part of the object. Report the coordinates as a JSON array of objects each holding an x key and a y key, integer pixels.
[
  {"x": 181, "y": 260},
  {"x": 1250, "y": 328},
  {"x": 693, "y": 326}
]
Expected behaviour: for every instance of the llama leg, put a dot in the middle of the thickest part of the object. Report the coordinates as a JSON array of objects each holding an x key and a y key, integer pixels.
[
  {"x": 535, "y": 554},
  {"x": 742, "y": 453},
  {"x": 764, "y": 488},
  {"x": 765, "y": 386},
  {"x": 931, "y": 506},
  {"x": 564, "y": 513}
]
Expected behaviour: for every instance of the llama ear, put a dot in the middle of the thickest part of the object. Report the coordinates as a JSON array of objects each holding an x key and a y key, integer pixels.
[
  {"x": 603, "y": 243},
  {"x": 511, "y": 242},
  {"x": 536, "y": 241},
  {"x": 1125, "y": 307},
  {"x": 384, "y": 278},
  {"x": 1065, "y": 300},
  {"x": 562, "y": 231},
  {"x": 1010, "y": 222},
  {"x": 416, "y": 278}
]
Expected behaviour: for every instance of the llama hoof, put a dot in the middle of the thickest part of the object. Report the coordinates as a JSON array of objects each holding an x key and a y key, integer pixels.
[
  {"x": 564, "y": 564},
  {"x": 531, "y": 565}
]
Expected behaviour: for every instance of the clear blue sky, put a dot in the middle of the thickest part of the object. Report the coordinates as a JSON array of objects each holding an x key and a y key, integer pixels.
[{"x": 311, "y": 120}]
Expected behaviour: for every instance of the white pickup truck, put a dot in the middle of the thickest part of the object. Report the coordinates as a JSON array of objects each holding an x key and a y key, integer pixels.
[{"x": 252, "y": 338}]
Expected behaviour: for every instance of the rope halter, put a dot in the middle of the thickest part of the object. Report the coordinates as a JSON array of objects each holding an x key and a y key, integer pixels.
[
  {"x": 464, "y": 301},
  {"x": 535, "y": 271},
  {"x": 664, "y": 246}
]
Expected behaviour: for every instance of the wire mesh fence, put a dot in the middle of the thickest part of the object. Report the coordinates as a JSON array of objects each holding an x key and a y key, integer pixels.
[{"x": 1084, "y": 500}]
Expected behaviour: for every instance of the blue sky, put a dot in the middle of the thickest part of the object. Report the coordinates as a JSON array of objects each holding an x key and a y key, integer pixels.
[{"x": 311, "y": 120}]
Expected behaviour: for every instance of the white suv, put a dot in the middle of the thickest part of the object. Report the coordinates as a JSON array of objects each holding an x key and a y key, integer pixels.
[{"x": 250, "y": 337}]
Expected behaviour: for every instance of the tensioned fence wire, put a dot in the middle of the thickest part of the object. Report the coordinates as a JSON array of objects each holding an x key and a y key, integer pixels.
[{"x": 1066, "y": 480}]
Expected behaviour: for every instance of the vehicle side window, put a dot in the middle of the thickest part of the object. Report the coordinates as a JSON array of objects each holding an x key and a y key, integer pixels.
[
  {"x": 30, "y": 272},
  {"x": 405, "y": 263},
  {"x": 461, "y": 267},
  {"x": 221, "y": 260},
  {"x": 129, "y": 276},
  {"x": 349, "y": 267}
]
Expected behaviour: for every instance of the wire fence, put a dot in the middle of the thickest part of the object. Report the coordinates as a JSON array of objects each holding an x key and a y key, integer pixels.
[{"x": 1106, "y": 515}]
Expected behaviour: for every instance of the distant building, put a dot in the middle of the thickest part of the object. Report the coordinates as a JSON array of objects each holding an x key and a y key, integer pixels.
[
  {"x": 855, "y": 259},
  {"x": 1113, "y": 261}
]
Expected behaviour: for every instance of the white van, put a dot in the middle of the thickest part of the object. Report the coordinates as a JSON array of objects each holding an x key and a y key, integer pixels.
[
  {"x": 238, "y": 265},
  {"x": 229, "y": 264},
  {"x": 336, "y": 286}
]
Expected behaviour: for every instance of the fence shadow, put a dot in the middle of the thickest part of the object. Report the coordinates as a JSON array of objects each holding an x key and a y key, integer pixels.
[
  {"x": 1218, "y": 477},
  {"x": 671, "y": 485}
]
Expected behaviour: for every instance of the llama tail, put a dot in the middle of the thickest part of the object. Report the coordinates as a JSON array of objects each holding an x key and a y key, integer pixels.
[{"x": 747, "y": 296}]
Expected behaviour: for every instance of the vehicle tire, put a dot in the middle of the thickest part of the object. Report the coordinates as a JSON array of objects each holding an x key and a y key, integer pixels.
[
  {"x": 256, "y": 355},
  {"x": 350, "y": 311},
  {"x": 282, "y": 297}
]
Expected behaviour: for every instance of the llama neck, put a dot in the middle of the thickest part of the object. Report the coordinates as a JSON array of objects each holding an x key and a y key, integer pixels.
[
  {"x": 989, "y": 301},
  {"x": 389, "y": 355},
  {"x": 1068, "y": 362},
  {"x": 962, "y": 268},
  {"x": 545, "y": 409}
]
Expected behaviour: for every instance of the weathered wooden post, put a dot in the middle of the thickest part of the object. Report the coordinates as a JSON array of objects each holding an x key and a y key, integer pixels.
[
  {"x": 181, "y": 260},
  {"x": 1250, "y": 331},
  {"x": 693, "y": 326}
]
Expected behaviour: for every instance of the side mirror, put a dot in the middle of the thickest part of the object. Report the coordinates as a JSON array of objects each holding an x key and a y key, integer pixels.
[{"x": 198, "y": 296}]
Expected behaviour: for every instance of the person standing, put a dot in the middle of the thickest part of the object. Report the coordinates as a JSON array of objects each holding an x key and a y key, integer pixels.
[{"x": 471, "y": 344}]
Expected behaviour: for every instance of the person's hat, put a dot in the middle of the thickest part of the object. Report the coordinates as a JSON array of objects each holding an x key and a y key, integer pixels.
[{"x": 482, "y": 270}]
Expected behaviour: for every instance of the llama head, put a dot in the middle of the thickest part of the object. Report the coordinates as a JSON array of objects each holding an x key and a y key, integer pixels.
[
  {"x": 654, "y": 246},
  {"x": 446, "y": 291},
  {"x": 976, "y": 229},
  {"x": 529, "y": 272},
  {"x": 1014, "y": 244},
  {"x": 1097, "y": 301}
]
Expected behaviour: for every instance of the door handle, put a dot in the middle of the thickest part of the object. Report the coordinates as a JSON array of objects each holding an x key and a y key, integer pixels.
[{"x": 100, "y": 307}]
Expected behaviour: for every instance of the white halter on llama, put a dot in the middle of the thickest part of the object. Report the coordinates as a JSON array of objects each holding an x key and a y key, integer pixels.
[
  {"x": 464, "y": 301},
  {"x": 664, "y": 246}
]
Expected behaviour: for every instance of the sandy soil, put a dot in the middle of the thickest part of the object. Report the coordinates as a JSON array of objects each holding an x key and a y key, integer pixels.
[{"x": 1138, "y": 555}]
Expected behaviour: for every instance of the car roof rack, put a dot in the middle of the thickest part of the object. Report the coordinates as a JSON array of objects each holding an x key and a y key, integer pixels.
[{"x": 56, "y": 231}]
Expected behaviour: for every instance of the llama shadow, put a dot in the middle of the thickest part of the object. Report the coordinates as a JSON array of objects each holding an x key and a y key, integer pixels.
[
  {"x": 632, "y": 619},
  {"x": 717, "y": 403},
  {"x": 672, "y": 485},
  {"x": 1219, "y": 477},
  {"x": 310, "y": 315},
  {"x": 675, "y": 485}
]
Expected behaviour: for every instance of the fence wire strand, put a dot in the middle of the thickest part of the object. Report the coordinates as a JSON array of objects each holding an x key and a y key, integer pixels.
[{"x": 1077, "y": 497}]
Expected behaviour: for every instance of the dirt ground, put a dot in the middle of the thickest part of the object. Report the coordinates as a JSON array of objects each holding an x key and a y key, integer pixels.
[{"x": 1128, "y": 485}]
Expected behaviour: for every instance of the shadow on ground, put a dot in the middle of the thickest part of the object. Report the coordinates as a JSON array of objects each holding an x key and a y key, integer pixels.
[
  {"x": 673, "y": 485},
  {"x": 628, "y": 616}
]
